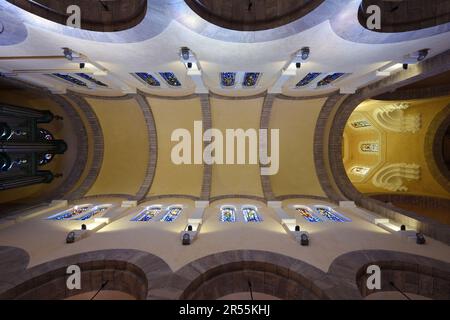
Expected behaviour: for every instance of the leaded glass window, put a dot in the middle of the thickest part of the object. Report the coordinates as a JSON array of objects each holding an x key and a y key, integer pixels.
[
  {"x": 329, "y": 79},
  {"x": 307, "y": 214},
  {"x": 91, "y": 79},
  {"x": 148, "y": 79},
  {"x": 71, "y": 213},
  {"x": 147, "y": 214},
  {"x": 361, "y": 171},
  {"x": 228, "y": 214},
  {"x": 228, "y": 79},
  {"x": 307, "y": 79},
  {"x": 251, "y": 214},
  {"x": 250, "y": 79},
  {"x": 170, "y": 78},
  {"x": 95, "y": 211},
  {"x": 330, "y": 214},
  {"x": 360, "y": 124},
  {"x": 172, "y": 214},
  {"x": 70, "y": 79},
  {"x": 370, "y": 147}
]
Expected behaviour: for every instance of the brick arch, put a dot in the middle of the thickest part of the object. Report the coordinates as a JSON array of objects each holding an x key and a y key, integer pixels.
[
  {"x": 410, "y": 273},
  {"x": 220, "y": 274},
  {"x": 126, "y": 270}
]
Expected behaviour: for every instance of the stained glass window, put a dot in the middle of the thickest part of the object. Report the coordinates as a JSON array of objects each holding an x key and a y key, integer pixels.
[
  {"x": 307, "y": 214},
  {"x": 250, "y": 79},
  {"x": 370, "y": 147},
  {"x": 70, "y": 79},
  {"x": 94, "y": 211},
  {"x": 360, "y": 124},
  {"x": 329, "y": 79},
  {"x": 170, "y": 78},
  {"x": 330, "y": 214},
  {"x": 307, "y": 79},
  {"x": 147, "y": 214},
  {"x": 361, "y": 171},
  {"x": 228, "y": 79},
  {"x": 251, "y": 214},
  {"x": 70, "y": 213},
  {"x": 171, "y": 214},
  {"x": 148, "y": 79},
  {"x": 91, "y": 79},
  {"x": 228, "y": 214}
]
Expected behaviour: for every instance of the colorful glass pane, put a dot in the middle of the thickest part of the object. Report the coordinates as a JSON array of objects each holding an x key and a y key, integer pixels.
[
  {"x": 250, "y": 214},
  {"x": 370, "y": 147},
  {"x": 70, "y": 213},
  {"x": 228, "y": 214},
  {"x": 307, "y": 79},
  {"x": 148, "y": 79},
  {"x": 171, "y": 214},
  {"x": 70, "y": 79},
  {"x": 93, "y": 212},
  {"x": 329, "y": 79},
  {"x": 250, "y": 79},
  {"x": 228, "y": 79},
  {"x": 360, "y": 124},
  {"x": 307, "y": 214},
  {"x": 170, "y": 78},
  {"x": 330, "y": 214},
  {"x": 147, "y": 214},
  {"x": 362, "y": 171},
  {"x": 91, "y": 79}
]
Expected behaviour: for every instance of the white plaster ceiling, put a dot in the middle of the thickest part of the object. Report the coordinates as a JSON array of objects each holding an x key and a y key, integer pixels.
[{"x": 329, "y": 53}]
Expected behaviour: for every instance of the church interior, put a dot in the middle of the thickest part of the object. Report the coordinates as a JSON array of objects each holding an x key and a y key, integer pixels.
[{"x": 349, "y": 99}]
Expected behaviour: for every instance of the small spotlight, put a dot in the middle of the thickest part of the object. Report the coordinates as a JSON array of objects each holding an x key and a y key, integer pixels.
[
  {"x": 405, "y": 66},
  {"x": 68, "y": 54},
  {"x": 304, "y": 239},
  {"x": 70, "y": 237},
  {"x": 186, "y": 239},
  {"x": 305, "y": 53},
  {"x": 403, "y": 227},
  {"x": 189, "y": 65},
  {"x": 422, "y": 54},
  {"x": 297, "y": 228},
  {"x": 185, "y": 53},
  {"x": 82, "y": 65},
  {"x": 298, "y": 65},
  {"x": 420, "y": 238}
]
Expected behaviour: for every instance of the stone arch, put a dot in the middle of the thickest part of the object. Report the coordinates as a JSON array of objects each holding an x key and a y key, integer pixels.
[
  {"x": 220, "y": 274},
  {"x": 125, "y": 270},
  {"x": 338, "y": 109},
  {"x": 410, "y": 273}
]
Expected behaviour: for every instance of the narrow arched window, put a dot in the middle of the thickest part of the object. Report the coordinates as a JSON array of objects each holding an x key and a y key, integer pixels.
[
  {"x": 307, "y": 214},
  {"x": 228, "y": 214},
  {"x": 71, "y": 213},
  {"x": 95, "y": 211},
  {"x": 331, "y": 214},
  {"x": 251, "y": 214},
  {"x": 172, "y": 213},
  {"x": 147, "y": 214}
]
